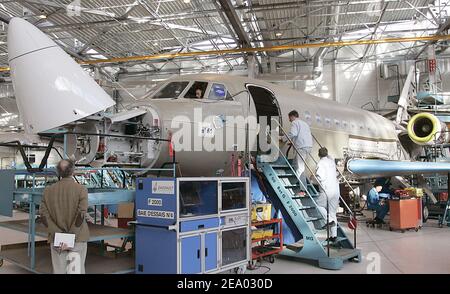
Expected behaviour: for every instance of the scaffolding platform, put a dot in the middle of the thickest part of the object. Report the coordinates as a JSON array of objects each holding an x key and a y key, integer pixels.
[{"x": 97, "y": 232}]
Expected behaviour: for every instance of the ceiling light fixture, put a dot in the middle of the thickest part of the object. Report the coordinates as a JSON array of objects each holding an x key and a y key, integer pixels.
[
  {"x": 278, "y": 34},
  {"x": 187, "y": 1},
  {"x": 42, "y": 16}
]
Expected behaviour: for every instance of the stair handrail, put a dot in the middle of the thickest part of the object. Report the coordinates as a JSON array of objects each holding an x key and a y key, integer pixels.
[
  {"x": 306, "y": 188},
  {"x": 301, "y": 183},
  {"x": 321, "y": 186},
  {"x": 342, "y": 176},
  {"x": 309, "y": 195},
  {"x": 345, "y": 180}
]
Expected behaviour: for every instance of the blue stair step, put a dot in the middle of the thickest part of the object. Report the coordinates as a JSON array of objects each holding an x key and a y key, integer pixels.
[
  {"x": 303, "y": 197},
  {"x": 339, "y": 239},
  {"x": 286, "y": 175},
  {"x": 299, "y": 197},
  {"x": 312, "y": 219},
  {"x": 280, "y": 166}
]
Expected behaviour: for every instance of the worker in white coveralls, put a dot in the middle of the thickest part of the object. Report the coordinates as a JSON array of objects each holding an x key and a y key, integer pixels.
[
  {"x": 329, "y": 189},
  {"x": 300, "y": 135}
]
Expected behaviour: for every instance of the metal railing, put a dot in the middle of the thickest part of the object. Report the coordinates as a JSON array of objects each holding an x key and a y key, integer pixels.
[
  {"x": 320, "y": 185},
  {"x": 345, "y": 180},
  {"x": 343, "y": 177}
]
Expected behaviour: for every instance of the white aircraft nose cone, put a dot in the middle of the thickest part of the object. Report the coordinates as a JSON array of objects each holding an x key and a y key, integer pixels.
[
  {"x": 51, "y": 89},
  {"x": 24, "y": 38}
]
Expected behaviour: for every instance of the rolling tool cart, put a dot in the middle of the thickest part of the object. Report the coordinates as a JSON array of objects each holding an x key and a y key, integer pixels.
[{"x": 266, "y": 231}]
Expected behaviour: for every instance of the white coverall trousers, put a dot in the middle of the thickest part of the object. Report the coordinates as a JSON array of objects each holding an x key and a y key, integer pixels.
[
  {"x": 69, "y": 262},
  {"x": 333, "y": 204},
  {"x": 299, "y": 164}
]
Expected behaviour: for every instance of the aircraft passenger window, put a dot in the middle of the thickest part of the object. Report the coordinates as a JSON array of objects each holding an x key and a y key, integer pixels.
[
  {"x": 318, "y": 119},
  {"x": 219, "y": 92},
  {"x": 197, "y": 90},
  {"x": 337, "y": 123},
  {"x": 171, "y": 90},
  {"x": 308, "y": 117}
]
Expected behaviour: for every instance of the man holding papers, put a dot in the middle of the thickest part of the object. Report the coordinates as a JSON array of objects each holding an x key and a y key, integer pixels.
[{"x": 63, "y": 208}]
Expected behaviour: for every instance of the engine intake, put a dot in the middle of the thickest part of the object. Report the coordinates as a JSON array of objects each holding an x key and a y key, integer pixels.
[{"x": 427, "y": 129}]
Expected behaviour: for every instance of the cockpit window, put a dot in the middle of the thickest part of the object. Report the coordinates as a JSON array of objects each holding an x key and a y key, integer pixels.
[
  {"x": 171, "y": 90},
  {"x": 219, "y": 92},
  {"x": 197, "y": 90}
]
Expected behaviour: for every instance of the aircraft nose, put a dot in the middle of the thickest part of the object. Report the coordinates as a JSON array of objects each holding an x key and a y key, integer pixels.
[{"x": 24, "y": 38}]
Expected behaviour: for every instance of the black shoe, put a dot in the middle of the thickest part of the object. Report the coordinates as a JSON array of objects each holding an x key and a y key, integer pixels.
[
  {"x": 379, "y": 221},
  {"x": 330, "y": 224},
  {"x": 332, "y": 239}
]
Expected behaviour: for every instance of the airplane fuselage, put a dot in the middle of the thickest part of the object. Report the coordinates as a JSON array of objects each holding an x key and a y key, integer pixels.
[{"x": 346, "y": 131}]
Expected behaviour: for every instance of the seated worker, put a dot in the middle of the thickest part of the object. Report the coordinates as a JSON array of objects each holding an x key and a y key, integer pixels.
[
  {"x": 374, "y": 202},
  {"x": 386, "y": 184},
  {"x": 198, "y": 93}
]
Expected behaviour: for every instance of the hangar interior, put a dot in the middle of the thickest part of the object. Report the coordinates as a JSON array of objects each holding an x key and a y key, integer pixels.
[{"x": 387, "y": 57}]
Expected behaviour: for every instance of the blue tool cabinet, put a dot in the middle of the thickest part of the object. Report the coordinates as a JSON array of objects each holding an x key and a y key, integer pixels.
[{"x": 192, "y": 225}]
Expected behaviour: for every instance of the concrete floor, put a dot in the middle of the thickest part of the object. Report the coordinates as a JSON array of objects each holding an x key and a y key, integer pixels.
[
  {"x": 386, "y": 252},
  {"x": 383, "y": 251}
]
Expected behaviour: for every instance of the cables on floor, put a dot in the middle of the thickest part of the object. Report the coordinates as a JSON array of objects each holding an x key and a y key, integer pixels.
[{"x": 257, "y": 267}]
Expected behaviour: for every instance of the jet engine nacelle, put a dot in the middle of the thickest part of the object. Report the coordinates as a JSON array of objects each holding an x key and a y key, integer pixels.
[{"x": 427, "y": 129}]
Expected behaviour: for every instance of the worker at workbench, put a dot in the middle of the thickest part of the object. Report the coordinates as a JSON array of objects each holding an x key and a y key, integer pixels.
[
  {"x": 377, "y": 203},
  {"x": 63, "y": 209}
]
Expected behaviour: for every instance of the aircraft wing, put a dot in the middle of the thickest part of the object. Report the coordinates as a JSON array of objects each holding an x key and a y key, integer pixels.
[{"x": 379, "y": 168}]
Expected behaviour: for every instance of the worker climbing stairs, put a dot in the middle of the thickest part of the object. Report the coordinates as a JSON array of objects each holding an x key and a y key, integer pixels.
[{"x": 297, "y": 201}]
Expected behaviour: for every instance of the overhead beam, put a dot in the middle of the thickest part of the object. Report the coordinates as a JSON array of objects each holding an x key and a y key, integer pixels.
[
  {"x": 268, "y": 49},
  {"x": 375, "y": 28},
  {"x": 260, "y": 49},
  {"x": 235, "y": 22},
  {"x": 445, "y": 26},
  {"x": 57, "y": 5}
]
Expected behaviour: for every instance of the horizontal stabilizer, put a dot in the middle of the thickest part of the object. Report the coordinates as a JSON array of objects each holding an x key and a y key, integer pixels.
[{"x": 379, "y": 168}]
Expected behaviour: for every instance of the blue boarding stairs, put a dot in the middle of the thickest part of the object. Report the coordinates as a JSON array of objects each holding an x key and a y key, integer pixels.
[{"x": 296, "y": 201}]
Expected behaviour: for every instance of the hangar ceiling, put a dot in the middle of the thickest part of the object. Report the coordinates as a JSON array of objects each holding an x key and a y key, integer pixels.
[
  {"x": 122, "y": 28},
  {"x": 105, "y": 29}
]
